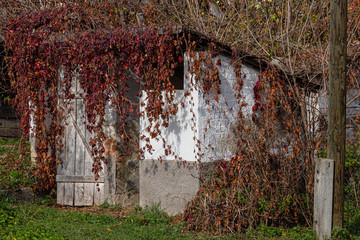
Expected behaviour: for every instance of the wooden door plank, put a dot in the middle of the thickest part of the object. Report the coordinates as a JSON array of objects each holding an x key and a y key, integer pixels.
[
  {"x": 84, "y": 194},
  {"x": 60, "y": 193},
  {"x": 80, "y": 147},
  {"x": 88, "y": 199},
  {"x": 88, "y": 159},
  {"x": 69, "y": 194},
  {"x": 71, "y": 144},
  {"x": 79, "y": 194}
]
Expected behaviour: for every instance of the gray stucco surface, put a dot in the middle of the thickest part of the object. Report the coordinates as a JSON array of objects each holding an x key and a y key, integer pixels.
[
  {"x": 170, "y": 183},
  {"x": 218, "y": 118}
]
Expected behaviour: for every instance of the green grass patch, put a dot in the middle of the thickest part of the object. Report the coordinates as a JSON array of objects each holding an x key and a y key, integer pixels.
[
  {"x": 267, "y": 232},
  {"x": 32, "y": 221},
  {"x": 29, "y": 221}
]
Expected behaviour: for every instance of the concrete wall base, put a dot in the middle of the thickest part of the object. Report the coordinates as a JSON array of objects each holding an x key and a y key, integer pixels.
[{"x": 171, "y": 184}]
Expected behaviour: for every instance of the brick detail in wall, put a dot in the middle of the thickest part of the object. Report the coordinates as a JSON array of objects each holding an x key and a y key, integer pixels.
[
  {"x": 110, "y": 147},
  {"x": 109, "y": 153}
]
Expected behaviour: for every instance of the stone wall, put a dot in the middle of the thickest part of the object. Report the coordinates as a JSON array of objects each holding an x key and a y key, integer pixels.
[{"x": 127, "y": 170}]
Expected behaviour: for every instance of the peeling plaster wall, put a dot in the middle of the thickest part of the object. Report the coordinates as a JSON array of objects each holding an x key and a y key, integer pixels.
[
  {"x": 163, "y": 183},
  {"x": 218, "y": 141},
  {"x": 178, "y": 134},
  {"x": 191, "y": 121}
]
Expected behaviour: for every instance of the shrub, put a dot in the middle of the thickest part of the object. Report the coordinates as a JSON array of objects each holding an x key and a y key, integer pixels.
[{"x": 270, "y": 180}]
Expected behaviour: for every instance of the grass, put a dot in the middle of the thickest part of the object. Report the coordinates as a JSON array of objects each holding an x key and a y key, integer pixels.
[{"x": 32, "y": 221}]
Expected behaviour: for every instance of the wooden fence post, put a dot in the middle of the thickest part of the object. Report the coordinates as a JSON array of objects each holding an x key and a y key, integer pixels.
[
  {"x": 323, "y": 197},
  {"x": 337, "y": 103}
]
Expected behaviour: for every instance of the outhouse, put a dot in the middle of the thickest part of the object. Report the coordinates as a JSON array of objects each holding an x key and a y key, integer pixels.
[{"x": 200, "y": 132}]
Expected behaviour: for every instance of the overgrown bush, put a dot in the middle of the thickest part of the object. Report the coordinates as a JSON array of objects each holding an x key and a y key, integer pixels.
[
  {"x": 270, "y": 180},
  {"x": 352, "y": 180},
  {"x": 15, "y": 165}
]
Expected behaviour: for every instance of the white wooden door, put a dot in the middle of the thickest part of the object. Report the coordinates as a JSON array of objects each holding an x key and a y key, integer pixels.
[{"x": 76, "y": 185}]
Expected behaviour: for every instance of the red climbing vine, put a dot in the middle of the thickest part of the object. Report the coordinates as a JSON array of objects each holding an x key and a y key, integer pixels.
[{"x": 68, "y": 39}]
